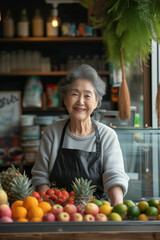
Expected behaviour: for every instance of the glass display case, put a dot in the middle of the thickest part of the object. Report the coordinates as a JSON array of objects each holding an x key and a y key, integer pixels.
[{"x": 140, "y": 148}]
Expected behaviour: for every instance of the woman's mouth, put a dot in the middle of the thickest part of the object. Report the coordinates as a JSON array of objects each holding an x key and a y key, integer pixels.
[{"x": 78, "y": 109}]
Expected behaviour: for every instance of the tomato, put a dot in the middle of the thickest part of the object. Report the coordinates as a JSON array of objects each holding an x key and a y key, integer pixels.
[
  {"x": 65, "y": 193},
  {"x": 35, "y": 194},
  {"x": 70, "y": 200},
  {"x": 71, "y": 194},
  {"x": 58, "y": 193},
  {"x": 59, "y": 201},
  {"x": 50, "y": 191},
  {"x": 53, "y": 197},
  {"x": 46, "y": 197},
  {"x": 42, "y": 192},
  {"x": 40, "y": 199},
  {"x": 63, "y": 198}
]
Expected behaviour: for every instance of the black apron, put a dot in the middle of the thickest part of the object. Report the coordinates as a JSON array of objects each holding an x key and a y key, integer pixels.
[{"x": 71, "y": 163}]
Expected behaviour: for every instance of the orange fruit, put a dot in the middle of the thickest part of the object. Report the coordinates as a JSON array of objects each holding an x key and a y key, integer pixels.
[
  {"x": 16, "y": 204},
  {"x": 36, "y": 219},
  {"x": 152, "y": 211},
  {"x": 129, "y": 203},
  {"x": 30, "y": 202},
  {"x": 115, "y": 217},
  {"x": 158, "y": 217},
  {"x": 46, "y": 207},
  {"x": 35, "y": 212},
  {"x": 133, "y": 212},
  {"x": 158, "y": 209},
  {"x": 120, "y": 208},
  {"x": 106, "y": 209},
  {"x": 22, "y": 220},
  {"x": 143, "y": 217},
  {"x": 153, "y": 202},
  {"x": 19, "y": 212},
  {"x": 143, "y": 205}
]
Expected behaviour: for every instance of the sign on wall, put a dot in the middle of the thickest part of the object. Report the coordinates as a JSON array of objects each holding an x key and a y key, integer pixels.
[{"x": 10, "y": 112}]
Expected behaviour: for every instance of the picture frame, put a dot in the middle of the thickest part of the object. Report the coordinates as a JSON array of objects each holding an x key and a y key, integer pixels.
[{"x": 10, "y": 112}]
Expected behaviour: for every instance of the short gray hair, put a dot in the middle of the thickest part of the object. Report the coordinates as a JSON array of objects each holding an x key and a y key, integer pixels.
[{"x": 83, "y": 71}]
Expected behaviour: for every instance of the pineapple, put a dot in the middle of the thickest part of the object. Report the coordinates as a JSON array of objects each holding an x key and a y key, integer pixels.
[
  {"x": 83, "y": 192},
  {"x": 16, "y": 185}
]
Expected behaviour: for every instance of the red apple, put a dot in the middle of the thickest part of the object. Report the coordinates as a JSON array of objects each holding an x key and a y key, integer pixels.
[
  {"x": 5, "y": 211},
  {"x": 56, "y": 208},
  {"x": 49, "y": 217},
  {"x": 101, "y": 217},
  {"x": 63, "y": 217},
  {"x": 76, "y": 217},
  {"x": 91, "y": 208},
  {"x": 6, "y": 219},
  {"x": 89, "y": 218},
  {"x": 70, "y": 208}
]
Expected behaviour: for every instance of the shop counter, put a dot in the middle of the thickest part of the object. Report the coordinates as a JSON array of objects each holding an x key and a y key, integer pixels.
[{"x": 126, "y": 230}]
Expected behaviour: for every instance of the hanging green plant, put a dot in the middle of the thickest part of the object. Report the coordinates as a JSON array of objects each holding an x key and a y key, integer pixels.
[{"x": 128, "y": 26}]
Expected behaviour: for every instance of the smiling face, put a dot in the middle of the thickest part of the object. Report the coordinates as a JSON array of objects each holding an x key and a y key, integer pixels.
[{"x": 80, "y": 99}]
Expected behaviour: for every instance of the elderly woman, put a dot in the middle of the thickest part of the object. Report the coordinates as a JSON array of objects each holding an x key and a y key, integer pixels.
[{"x": 80, "y": 146}]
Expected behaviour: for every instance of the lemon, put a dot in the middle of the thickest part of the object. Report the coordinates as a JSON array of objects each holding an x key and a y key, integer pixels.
[
  {"x": 143, "y": 205},
  {"x": 115, "y": 217},
  {"x": 120, "y": 208},
  {"x": 143, "y": 217},
  {"x": 106, "y": 209},
  {"x": 104, "y": 202}
]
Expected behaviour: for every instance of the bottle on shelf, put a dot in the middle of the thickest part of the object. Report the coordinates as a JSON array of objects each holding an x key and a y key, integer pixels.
[
  {"x": 23, "y": 24},
  {"x": 37, "y": 24},
  {"x": 50, "y": 30},
  {"x": 8, "y": 25}
]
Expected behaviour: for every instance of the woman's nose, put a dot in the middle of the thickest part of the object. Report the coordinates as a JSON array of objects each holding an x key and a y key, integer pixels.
[{"x": 81, "y": 100}]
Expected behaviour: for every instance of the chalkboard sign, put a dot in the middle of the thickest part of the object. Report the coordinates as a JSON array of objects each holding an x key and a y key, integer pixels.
[{"x": 10, "y": 112}]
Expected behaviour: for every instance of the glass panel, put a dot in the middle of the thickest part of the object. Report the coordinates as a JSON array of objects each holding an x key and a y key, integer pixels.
[{"x": 140, "y": 148}]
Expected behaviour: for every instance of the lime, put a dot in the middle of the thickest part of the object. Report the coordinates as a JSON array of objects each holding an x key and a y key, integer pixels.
[
  {"x": 115, "y": 217},
  {"x": 133, "y": 211},
  {"x": 120, "y": 208},
  {"x": 143, "y": 205},
  {"x": 129, "y": 203},
  {"x": 153, "y": 202},
  {"x": 97, "y": 202},
  {"x": 152, "y": 211}
]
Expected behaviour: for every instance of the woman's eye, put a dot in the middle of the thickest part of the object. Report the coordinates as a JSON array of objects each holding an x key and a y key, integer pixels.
[{"x": 88, "y": 96}]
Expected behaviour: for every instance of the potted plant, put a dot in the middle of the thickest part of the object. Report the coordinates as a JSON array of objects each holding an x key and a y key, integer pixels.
[{"x": 127, "y": 30}]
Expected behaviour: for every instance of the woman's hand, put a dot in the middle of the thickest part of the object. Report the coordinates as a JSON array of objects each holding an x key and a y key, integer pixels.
[
  {"x": 116, "y": 195},
  {"x": 43, "y": 187}
]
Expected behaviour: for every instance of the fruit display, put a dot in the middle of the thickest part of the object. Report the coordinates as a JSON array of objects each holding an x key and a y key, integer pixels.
[{"x": 60, "y": 205}]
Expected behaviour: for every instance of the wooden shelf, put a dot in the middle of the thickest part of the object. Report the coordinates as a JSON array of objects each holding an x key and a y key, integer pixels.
[
  {"x": 54, "y": 73},
  {"x": 51, "y": 39}
]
